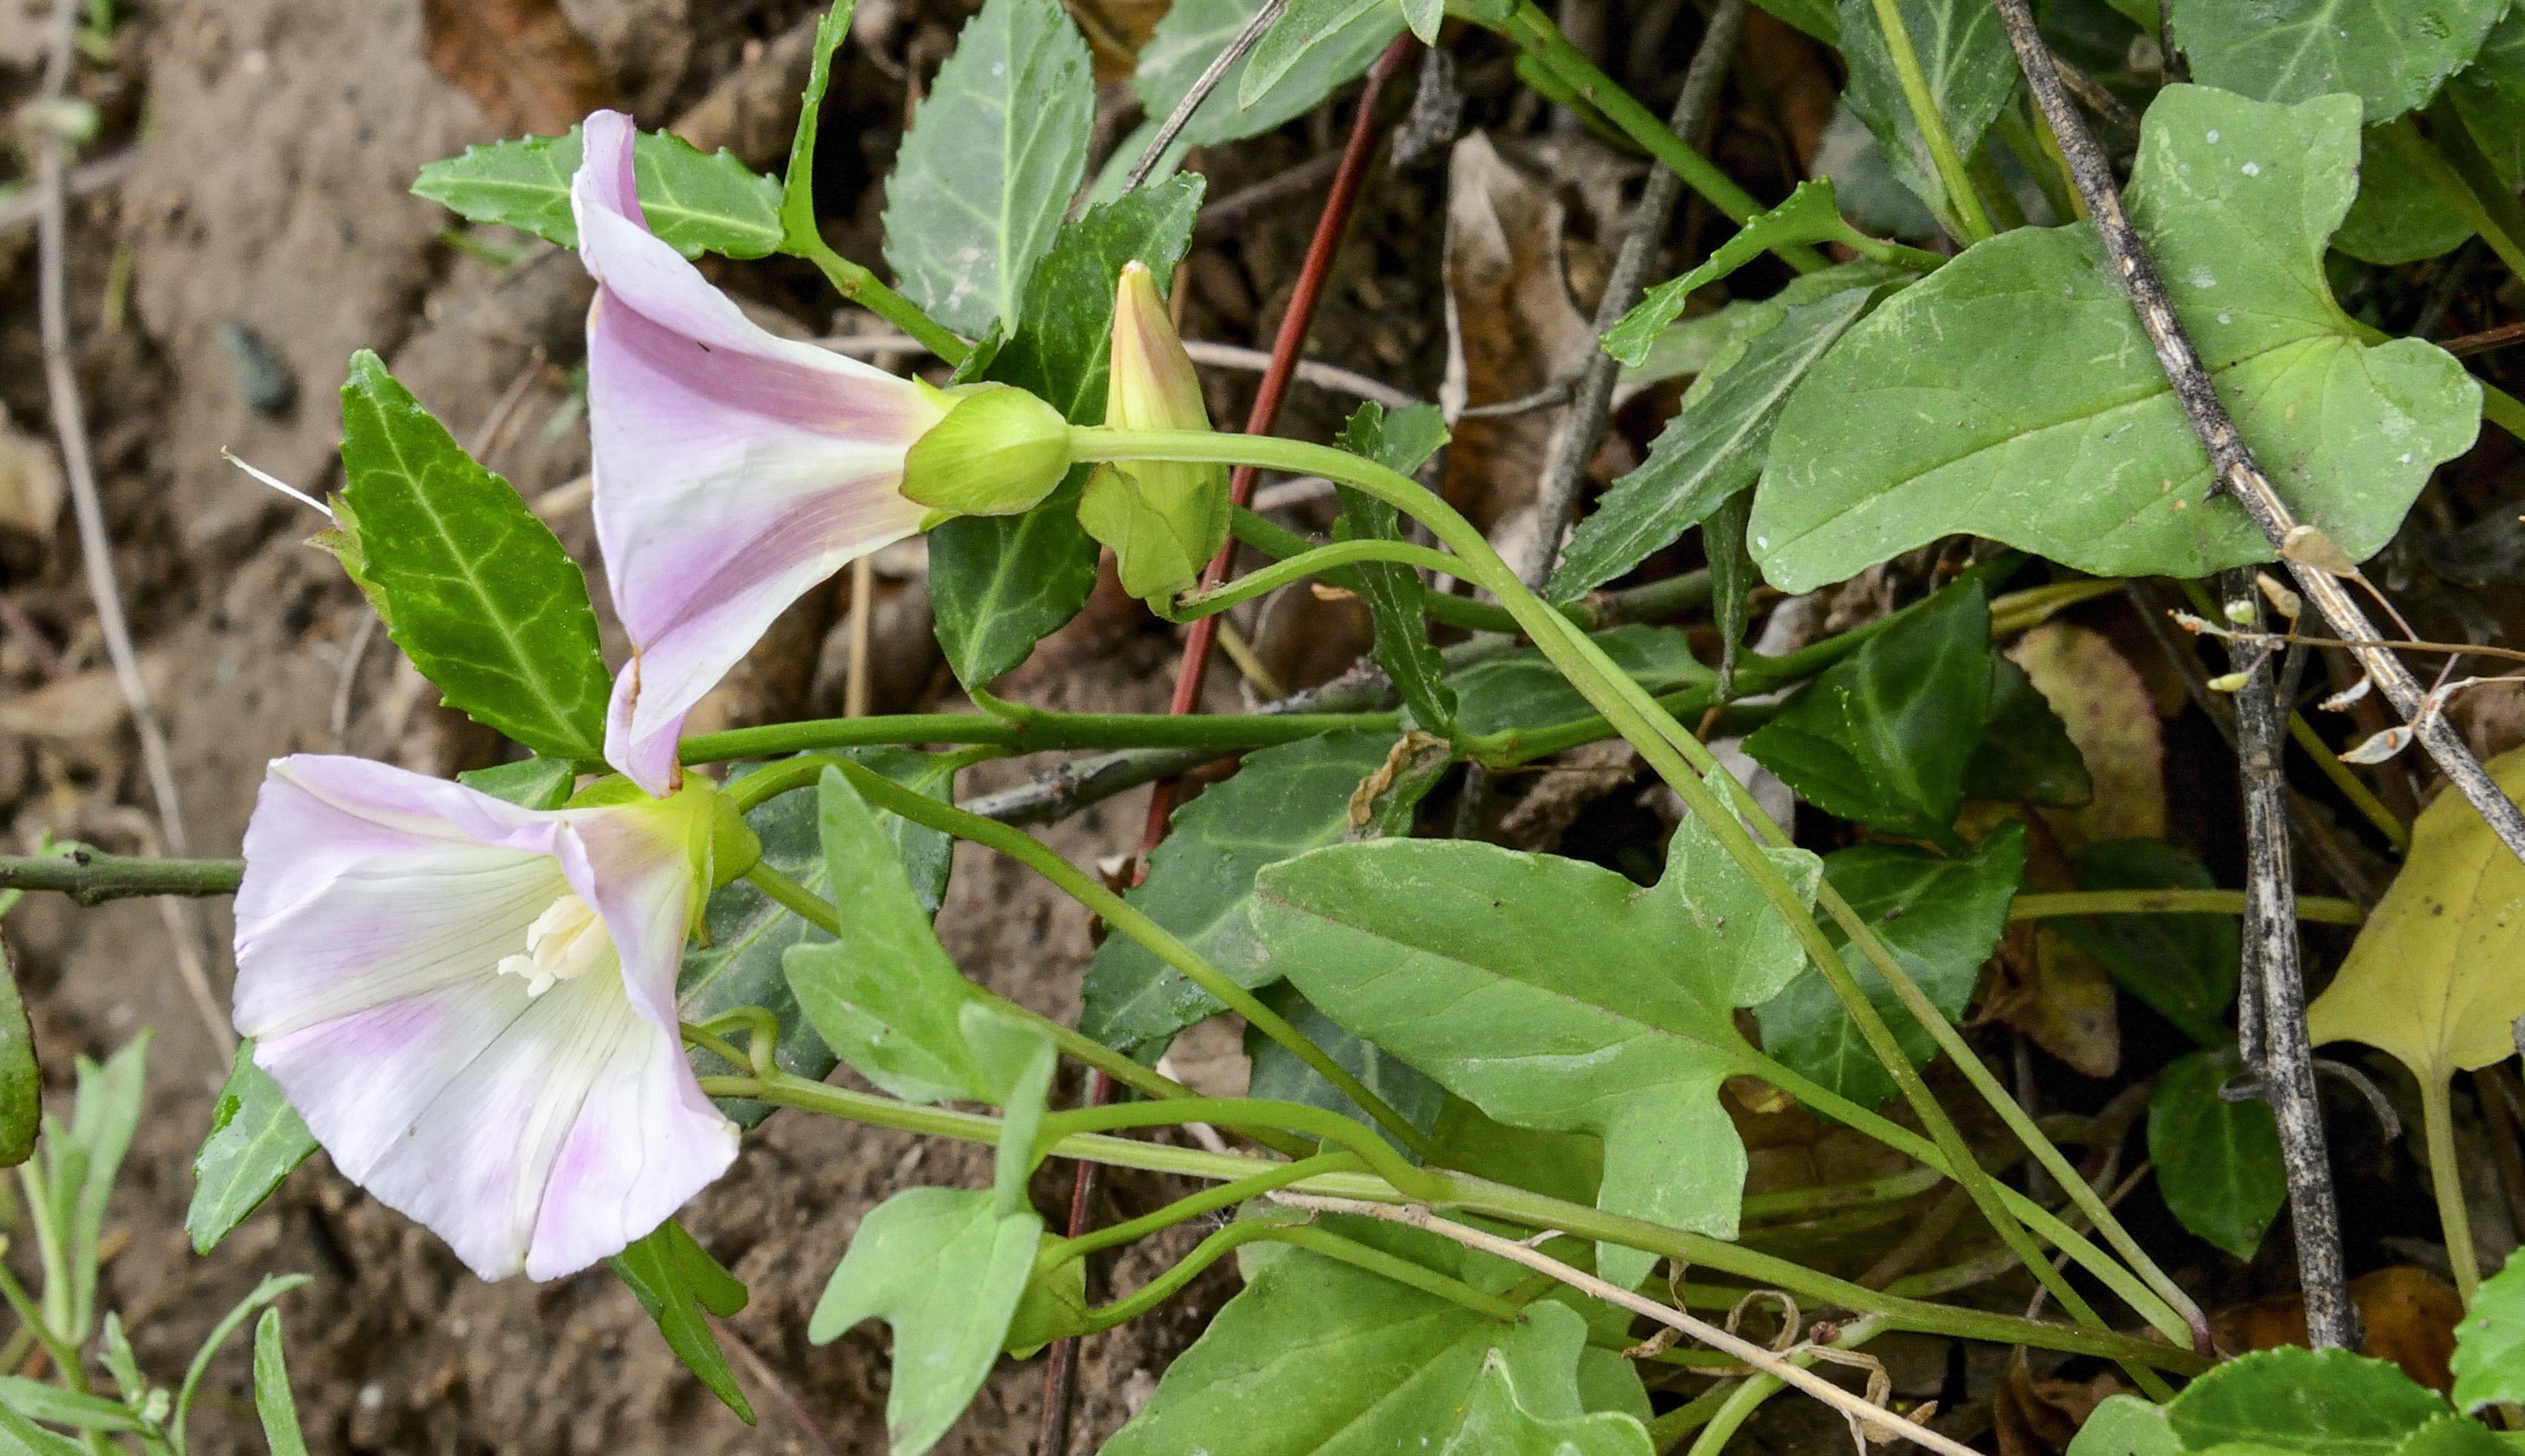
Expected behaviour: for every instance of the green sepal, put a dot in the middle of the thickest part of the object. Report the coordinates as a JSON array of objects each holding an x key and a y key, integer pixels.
[
  {"x": 1164, "y": 520},
  {"x": 997, "y": 452}
]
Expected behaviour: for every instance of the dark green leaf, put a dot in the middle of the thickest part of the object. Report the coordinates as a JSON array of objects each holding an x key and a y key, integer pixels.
[
  {"x": 1278, "y": 1074},
  {"x": 1561, "y": 1165},
  {"x": 1522, "y": 690},
  {"x": 676, "y": 1280},
  {"x": 1282, "y": 802},
  {"x": 2489, "y": 1360},
  {"x": 473, "y": 586},
  {"x": 2217, "y": 1162},
  {"x": 999, "y": 583},
  {"x": 2311, "y": 1402},
  {"x": 1883, "y": 736},
  {"x": 798, "y": 182},
  {"x": 2393, "y": 56},
  {"x": 696, "y": 202},
  {"x": 2183, "y": 966},
  {"x": 1396, "y": 598},
  {"x": 1732, "y": 575},
  {"x": 1939, "y": 917},
  {"x": 1460, "y": 957},
  {"x": 530, "y": 783},
  {"x": 2489, "y": 98},
  {"x": 2400, "y": 215},
  {"x": 885, "y": 996},
  {"x": 2025, "y": 755},
  {"x": 1192, "y": 36},
  {"x": 1971, "y": 74},
  {"x": 22, "y": 1081},
  {"x": 993, "y": 154},
  {"x": 946, "y": 1270},
  {"x": 1817, "y": 18},
  {"x": 2053, "y": 427},
  {"x": 1304, "y": 27},
  {"x": 256, "y": 1140},
  {"x": 1712, "y": 447},
  {"x": 1809, "y": 215},
  {"x": 273, "y": 1405}
]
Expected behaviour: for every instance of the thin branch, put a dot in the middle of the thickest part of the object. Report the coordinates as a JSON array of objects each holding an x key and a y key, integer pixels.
[
  {"x": 1203, "y": 84},
  {"x": 96, "y": 549},
  {"x": 2485, "y": 341},
  {"x": 2233, "y": 467},
  {"x": 2274, "y": 983},
  {"x": 1872, "y": 1417},
  {"x": 102, "y": 175}
]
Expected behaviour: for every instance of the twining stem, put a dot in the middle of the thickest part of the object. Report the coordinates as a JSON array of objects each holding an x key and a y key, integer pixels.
[
  {"x": 1313, "y": 561},
  {"x": 1313, "y": 1239},
  {"x": 1635, "y": 714},
  {"x": 1481, "y": 1196},
  {"x": 2321, "y": 909},
  {"x": 1193, "y": 1205},
  {"x": 1027, "y": 849},
  {"x": 1749, "y": 1394},
  {"x": 1236, "y": 1112},
  {"x": 1960, "y": 197},
  {"x": 2446, "y": 1181},
  {"x": 1029, "y": 731},
  {"x": 855, "y": 282}
]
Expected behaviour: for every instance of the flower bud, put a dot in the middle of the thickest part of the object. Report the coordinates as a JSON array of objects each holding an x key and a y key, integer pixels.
[
  {"x": 1164, "y": 519},
  {"x": 997, "y": 452}
]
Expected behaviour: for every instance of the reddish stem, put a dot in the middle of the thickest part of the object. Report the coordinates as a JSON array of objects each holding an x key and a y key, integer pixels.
[{"x": 1061, "y": 1367}]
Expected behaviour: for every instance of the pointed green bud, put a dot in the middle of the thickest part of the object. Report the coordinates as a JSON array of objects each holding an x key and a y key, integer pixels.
[
  {"x": 997, "y": 452},
  {"x": 1163, "y": 519}
]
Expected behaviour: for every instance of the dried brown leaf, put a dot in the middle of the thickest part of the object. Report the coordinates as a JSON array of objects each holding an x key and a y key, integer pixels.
[
  {"x": 2106, "y": 706},
  {"x": 519, "y": 60},
  {"x": 2409, "y": 1315}
]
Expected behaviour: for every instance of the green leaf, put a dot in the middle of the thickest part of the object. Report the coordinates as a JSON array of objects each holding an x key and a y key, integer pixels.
[
  {"x": 1732, "y": 576},
  {"x": 1460, "y": 958},
  {"x": 2053, "y": 427},
  {"x": 2217, "y": 1162},
  {"x": 1712, "y": 447},
  {"x": 885, "y": 996},
  {"x": 1194, "y": 33},
  {"x": 2125, "y": 1426},
  {"x": 2183, "y": 966},
  {"x": 946, "y": 1271},
  {"x": 22, "y": 1081},
  {"x": 37, "y": 1401},
  {"x": 2311, "y": 1402},
  {"x": 1817, "y": 18},
  {"x": 273, "y": 1405},
  {"x": 1883, "y": 736},
  {"x": 476, "y": 590},
  {"x": 999, "y": 583},
  {"x": 2490, "y": 97},
  {"x": 256, "y": 1140},
  {"x": 1499, "y": 1423},
  {"x": 20, "y": 1435},
  {"x": 2400, "y": 215},
  {"x": 1939, "y": 917},
  {"x": 82, "y": 1174},
  {"x": 1809, "y": 215},
  {"x": 261, "y": 1294},
  {"x": 2489, "y": 1360},
  {"x": 1315, "y": 1357},
  {"x": 1017, "y": 1060},
  {"x": 749, "y": 932},
  {"x": 798, "y": 180},
  {"x": 2393, "y": 56},
  {"x": 2450, "y": 1434},
  {"x": 1304, "y": 27},
  {"x": 2025, "y": 755},
  {"x": 1971, "y": 73},
  {"x": 696, "y": 202},
  {"x": 676, "y": 1280},
  {"x": 989, "y": 164},
  {"x": 2432, "y": 976},
  {"x": 1279, "y": 1076},
  {"x": 536, "y": 783},
  {"x": 1395, "y": 594},
  {"x": 1522, "y": 690},
  {"x": 1282, "y": 802}
]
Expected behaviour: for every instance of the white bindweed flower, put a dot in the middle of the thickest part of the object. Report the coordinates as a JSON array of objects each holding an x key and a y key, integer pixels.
[{"x": 473, "y": 1003}]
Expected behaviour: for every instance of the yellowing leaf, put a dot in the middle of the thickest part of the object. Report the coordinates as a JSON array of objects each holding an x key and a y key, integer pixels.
[{"x": 2438, "y": 975}]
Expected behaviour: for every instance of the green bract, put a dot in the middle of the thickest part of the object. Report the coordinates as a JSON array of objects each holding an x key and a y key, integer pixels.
[
  {"x": 2013, "y": 396},
  {"x": 999, "y": 451}
]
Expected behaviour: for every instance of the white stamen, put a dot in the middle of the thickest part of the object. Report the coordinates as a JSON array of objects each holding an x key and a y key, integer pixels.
[
  {"x": 566, "y": 942},
  {"x": 279, "y": 484}
]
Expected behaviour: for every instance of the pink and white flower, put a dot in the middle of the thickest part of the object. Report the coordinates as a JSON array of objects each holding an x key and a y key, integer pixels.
[
  {"x": 472, "y": 1005},
  {"x": 734, "y": 471}
]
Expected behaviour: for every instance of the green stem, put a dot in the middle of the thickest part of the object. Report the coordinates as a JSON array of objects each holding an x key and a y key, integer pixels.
[
  {"x": 2502, "y": 410},
  {"x": 1313, "y": 561},
  {"x": 1667, "y": 1431},
  {"x": 820, "y": 913},
  {"x": 1806, "y": 1203},
  {"x": 1481, "y": 1196},
  {"x": 2321, "y": 909},
  {"x": 1207, "y": 1200},
  {"x": 1960, "y": 197},
  {"x": 1086, "y": 888},
  {"x": 1631, "y": 710},
  {"x": 860, "y": 286},
  {"x": 2500, "y": 227},
  {"x": 1024, "y": 730},
  {"x": 1749, "y": 1394},
  {"x": 2446, "y": 1181},
  {"x": 1247, "y": 1113},
  {"x": 1533, "y": 31},
  {"x": 1313, "y": 1239},
  {"x": 66, "y": 1358},
  {"x": 92, "y": 878}
]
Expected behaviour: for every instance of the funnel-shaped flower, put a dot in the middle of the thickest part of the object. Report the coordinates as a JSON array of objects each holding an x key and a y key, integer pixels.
[
  {"x": 472, "y": 1005},
  {"x": 733, "y": 470},
  {"x": 1163, "y": 519}
]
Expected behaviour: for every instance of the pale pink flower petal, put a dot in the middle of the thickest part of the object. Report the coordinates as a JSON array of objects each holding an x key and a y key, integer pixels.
[
  {"x": 535, "y": 1132},
  {"x": 733, "y": 470}
]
